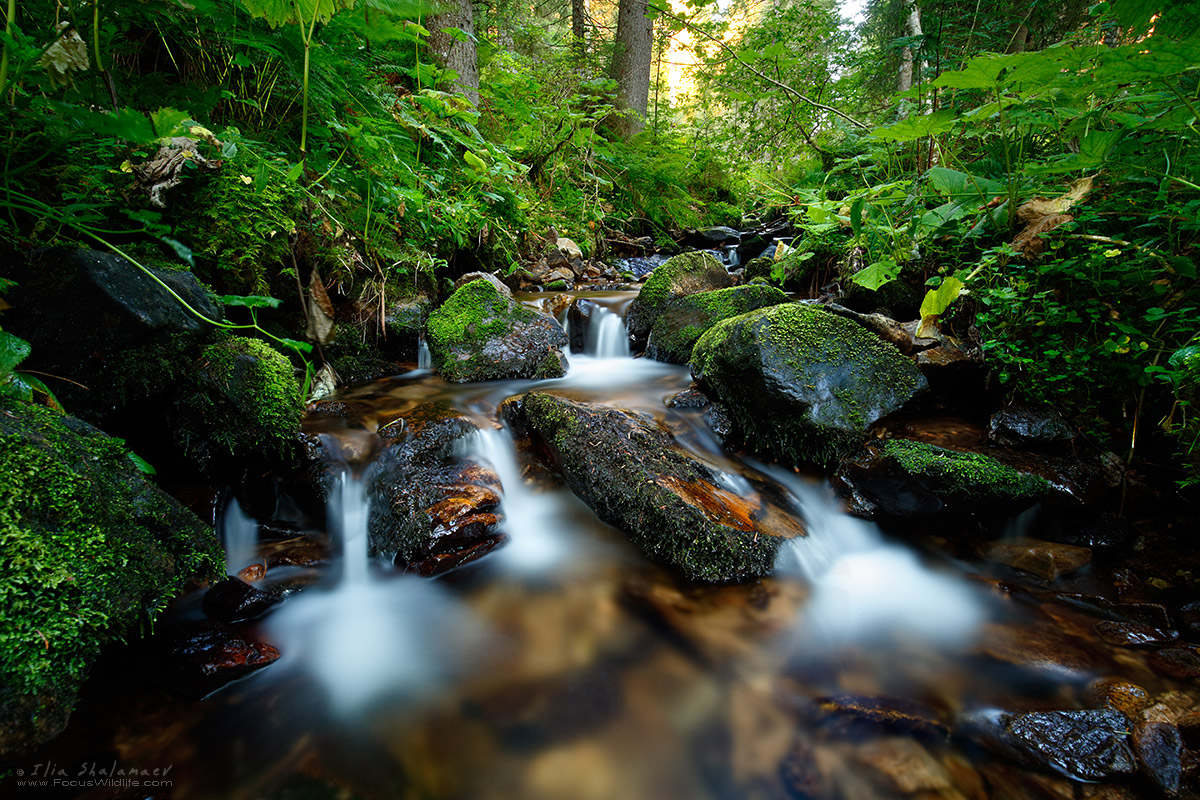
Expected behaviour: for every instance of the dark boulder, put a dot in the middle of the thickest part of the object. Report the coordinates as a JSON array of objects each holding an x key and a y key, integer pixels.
[
  {"x": 91, "y": 551},
  {"x": 1159, "y": 748},
  {"x": 1087, "y": 745},
  {"x": 579, "y": 319},
  {"x": 685, "y": 319},
  {"x": 233, "y": 599},
  {"x": 679, "y": 276},
  {"x": 802, "y": 385},
  {"x": 432, "y": 510},
  {"x": 1024, "y": 425},
  {"x": 629, "y": 469},
  {"x": 905, "y": 479},
  {"x": 200, "y": 657},
  {"x": 482, "y": 334}
]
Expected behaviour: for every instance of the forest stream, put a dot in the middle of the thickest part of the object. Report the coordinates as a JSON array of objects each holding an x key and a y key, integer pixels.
[{"x": 564, "y": 664}]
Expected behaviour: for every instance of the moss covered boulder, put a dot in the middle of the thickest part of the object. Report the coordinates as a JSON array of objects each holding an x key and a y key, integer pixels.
[
  {"x": 628, "y": 468},
  {"x": 242, "y": 407},
  {"x": 802, "y": 385},
  {"x": 480, "y": 334},
  {"x": 92, "y": 553},
  {"x": 678, "y": 327},
  {"x": 678, "y": 276},
  {"x": 901, "y": 479}
]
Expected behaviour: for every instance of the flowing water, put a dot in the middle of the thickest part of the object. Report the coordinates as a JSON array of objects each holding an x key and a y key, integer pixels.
[{"x": 564, "y": 665}]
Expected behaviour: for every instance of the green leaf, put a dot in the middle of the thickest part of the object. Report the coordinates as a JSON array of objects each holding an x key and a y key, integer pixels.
[
  {"x": 293, "y": 174},
  {"x": 476, "y": 163},
  {"x": 296, "y": 344},
  {"x": 938, "y": 300},
  {"x": 182, "y": 250},
  {"x": 916, "y": 126},
  {"x": 251, "y": 301},
  {"x": 13, "y": 350},
  {"x": 144, "y": 466},
  {"x": 169, "y": 122},
  {"x": 856, "y": 215},
  {"x": 877, "y": 274},
  {"x": 283, "y": 12},
  {"x": 981, "y": 72},
  {"x": 955, "y": 184}
]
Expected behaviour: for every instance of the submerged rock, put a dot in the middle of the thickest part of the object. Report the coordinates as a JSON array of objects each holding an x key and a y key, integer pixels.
[
  {"x": 858, "y": 717},
  {"x": 482, "y": 334},
  {"x": 679, "y": 276},
  {"x": 233, "y": 599},
  {"x": 802, "y": 385},
  {"x": 91, "y": 551},
  {"x": 905, "y": 479},
  {"x": 685, "y": 319},
  {"x": 633, "y": 475},
  {"x": 1159, "y": 748},
  {"x": 1047, "y": 560},
  {"x": 203, "y": 656},
  {"x": 1024, "y": 425},
  {"x": 1087, "y": 745}
]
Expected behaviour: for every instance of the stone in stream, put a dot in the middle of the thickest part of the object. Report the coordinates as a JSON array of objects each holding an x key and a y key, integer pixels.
[
  {"x": 203, "y": 656},
  {"x": 1024, "y": 425},
  {"x": 858, "y": 717},
  {"x": 1159, "y": 749},
  {"x": 1129, "y": 634},
  {"x": 481, "y": 334},
  {"x": 579, "y": 317},
  {"x": 680, "y": 275},
  {"x": 628, "y": 468},
  {"x": 1086, "y": 745},
  {"x": 233, "y": 599},
  {"x": 1178, "y": 662},
  {"x": 801, "y": 384},
  {"x": 429, "y": 509},
  {"x": 906, "y": 479},
  {"x": 1047, "y": 560},
  {"x": 686, "y": 318}
]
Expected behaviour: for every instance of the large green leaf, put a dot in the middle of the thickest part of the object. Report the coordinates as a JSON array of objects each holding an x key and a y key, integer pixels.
[
  {"x": 877, "y": 274},
  {"x": 955, "y": 184},
  {"x": 916, "y": 126},
  {"x": 283, "y": 12},
  {"x": 13, "y": 350},
  {"x": 938, "y": 300}
]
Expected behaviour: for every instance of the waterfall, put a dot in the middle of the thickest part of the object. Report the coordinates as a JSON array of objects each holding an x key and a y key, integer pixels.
[
  {"x": 424, "y": 357},
  {"x": 607, "y": 336},
  {"x": 349, "y": 510},
  {"x": 239, "y": 534},
  {"x": 864, "y": 587},
  {"x": 532, "y": 520}
]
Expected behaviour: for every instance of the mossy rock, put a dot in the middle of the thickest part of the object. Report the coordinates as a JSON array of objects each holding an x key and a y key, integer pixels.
[
  {"x": 794, "y": 270},
  {"x": 92, "y": 553},
  {"x": 243, "y": 407},
  {"x": 801, "y": 384},
  {"x": 678, "y": 276},
  {"x": 627, "y": 467},
  {"x": 403, "y": 325},
  {"x": 678, "y": 327},
  {"x": 479, "y": 334},
  {"x": 907, "y": 479}
]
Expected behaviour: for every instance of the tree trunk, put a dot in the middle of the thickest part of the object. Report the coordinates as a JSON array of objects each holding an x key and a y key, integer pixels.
[
  {"x": 455, "y": 53},
  {"x": 631, "y": 64},
  {"x": 578, "y": 29},
  {"x": 912, "y": 28}
]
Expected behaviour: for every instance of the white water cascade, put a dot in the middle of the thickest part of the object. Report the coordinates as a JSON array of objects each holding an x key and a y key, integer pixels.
[
  {"x": 239, "y": 533},
  {"x": 607, "y": 336},
  {"x": 864, "y": 588},
  {"x": 534, "y": 521},
  {"x": 370, "y": 638},
  {"x": 424, "y": 357}
]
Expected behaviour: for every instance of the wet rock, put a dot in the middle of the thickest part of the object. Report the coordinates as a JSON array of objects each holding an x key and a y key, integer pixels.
[
  {"x": 579, "y": 318},
  {"x": 403, "y": 324},
  {"x": 1151, "y": 614},
  {"x": 1086, "y": 745},
  {"x": 947, "y": 364},
  {"x": 858, "y": 717},
  {"x": 1159, "y": 749},
  {"x": 1047, "y": 560},
  {"x": 1178, "y": 662},
  {"x": 906, "y": 479},
  {"x": 801, "y": 774},
  {"x": 252, "y": 573},
  {"x": 1129, "y": 634},
  {"x": 688, "y": 398},
  {"x": 631, "y": 472},
  {"x": 1128, "y": 698},
  {"x": 686, "y": 318},
  {"x": 718, "y": 418},
  {"x": 904, "y": 766},
  {"x": 710, "y": 237},
  {"x": 679, "y": 276},
  {"x": 296, "y": 552},
  {"x": 205, "y": 656},
  {"x": 481, "y": 334},
  {"x": 1038, "y": 648},
  {"x": 1025, "y": 425},
  {"x": 1189, "y": 617},
  {"x": 233, "y": 599},
  {"x": 802, "y": 384},
  {"x": 491, "y": 279}
]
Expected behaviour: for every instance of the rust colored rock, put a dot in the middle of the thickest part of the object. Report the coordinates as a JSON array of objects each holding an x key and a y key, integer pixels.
[
  {"x": 233, "y": 599},
  {"x": 438, "y": 563},
  {"x": 1130, "y": 634},
  {"x": 904, "y": 766},
  {"x": 1041, "y": 648},
  {"x": 1178, "y": 662},
  {"x": 855, "y": 716},
  {"x": 252, "y": 573},
  {"x": 1159, "y": 749},
  {"x": 1128, "y": 698},
  {"x": 301, "y": 551},
  {"x": 207, "y": 655},
  {"x": 1047, "y": 560}
]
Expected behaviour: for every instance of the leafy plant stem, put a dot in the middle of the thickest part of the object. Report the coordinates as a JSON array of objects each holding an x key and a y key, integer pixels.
[{"x": 8, "y": 20}]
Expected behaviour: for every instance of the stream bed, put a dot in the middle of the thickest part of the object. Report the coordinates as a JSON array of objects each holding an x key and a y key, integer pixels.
[{"x": 563, "y": 664}]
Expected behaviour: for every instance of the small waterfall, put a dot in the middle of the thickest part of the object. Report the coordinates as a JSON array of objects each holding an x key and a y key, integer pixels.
[
  {"x": 864, "y": 587},
  {"x": 239, "y": 533},
  {"x": 607, "y": 336},
  {"x": 349, "y": 510},
  {"x": 531, "y": 519},
  {"x": 424, "y": 357}
]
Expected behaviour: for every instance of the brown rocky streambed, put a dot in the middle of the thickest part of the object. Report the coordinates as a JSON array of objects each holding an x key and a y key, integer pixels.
[{"x": 564, "y": 645}]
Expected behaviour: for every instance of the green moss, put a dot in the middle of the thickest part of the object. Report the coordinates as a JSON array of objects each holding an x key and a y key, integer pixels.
[
  {"x": 660, "y": 283},
  {"x": 958, "y": 477},
  {"x": 244, "y": 403},
  {"x": 474, "y": 313},
  {"x": 686, "y": 319},
  {"x": 92, "y": 552}
]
